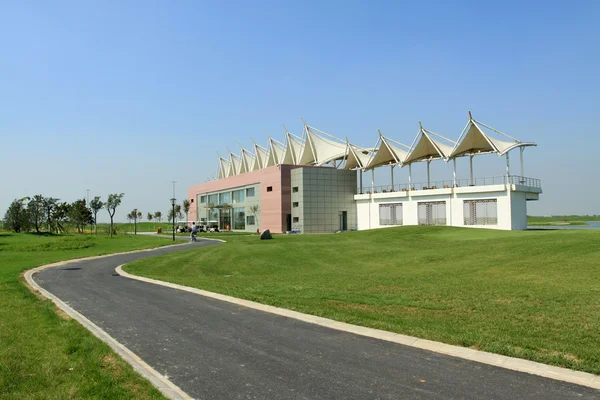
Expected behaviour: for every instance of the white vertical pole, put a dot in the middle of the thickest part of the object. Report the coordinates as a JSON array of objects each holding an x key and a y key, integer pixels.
[
  {"x": 507, "y": 168},
  {"x": 428, "y": 180},
  {"x": 392, "y": 176},
  {"x": 361, "y": 187},
  {"x": 373, "y": 180},
  {"x": 522, "y": 169},
  {"x": 454, "y": 159},
  {"x": 409, "y": 176},
  {"x": 471, "y": 167}
]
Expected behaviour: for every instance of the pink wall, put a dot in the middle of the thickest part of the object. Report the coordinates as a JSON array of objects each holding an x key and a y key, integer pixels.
[{"x": 273, "y": 205}]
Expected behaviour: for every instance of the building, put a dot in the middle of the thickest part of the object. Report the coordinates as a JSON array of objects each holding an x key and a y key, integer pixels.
[{"x": 314, "y": 184}]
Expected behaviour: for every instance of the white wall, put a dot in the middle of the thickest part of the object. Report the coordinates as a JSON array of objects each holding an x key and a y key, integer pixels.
[{"x": 511, "y": 205}]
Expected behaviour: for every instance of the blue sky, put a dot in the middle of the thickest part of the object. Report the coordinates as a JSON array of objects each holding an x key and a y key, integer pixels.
[{"x": 128, "y": 96}]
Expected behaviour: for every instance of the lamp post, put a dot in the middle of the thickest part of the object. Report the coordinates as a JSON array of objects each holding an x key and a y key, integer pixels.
[{"x": 173, "y": 204}]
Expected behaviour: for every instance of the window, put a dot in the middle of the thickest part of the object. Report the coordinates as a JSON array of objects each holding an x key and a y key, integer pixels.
[
  {"x": 390, "y": 214},
  {"x": 191, "y": 200},
  {"x": 213, "y": 199},
  {"x": 432, "y": 213},
  {"x": 269, "y": 188},
  {"x": 225, "y": 198},
  {"x": 296, "y": 219},
  {"x": 295, "y": 204},
  {"x": 250, "y": 192},
  {"x": 239, "y": 196},
  {"x": 202, "y": 199},
  {"x": 480, "y": 212},
  {"x": 239, "y": 219},
  {"x": 295, "y": 189},
  {"x": 250, "y": 220}
]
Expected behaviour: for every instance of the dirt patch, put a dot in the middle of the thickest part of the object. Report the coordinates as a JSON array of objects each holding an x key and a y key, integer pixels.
[
  {"x": 505, "y": 301},
  {"x": 111, "y": 363}
]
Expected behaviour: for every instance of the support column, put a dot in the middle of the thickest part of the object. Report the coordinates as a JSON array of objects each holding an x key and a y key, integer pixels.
[
  {"x": 471, "y": 167},
  {"x": 361, "y": 184},
  {"x": 507, "y": 169},
  {"x": 454, "y": 159},
  {"x": 428, "y": 180},
  {"x": 392, "y": 168},
  {"x": 373, "y": 180},
  {"x": 522, "y": 169},
  {"x": 409, "y": 177}
]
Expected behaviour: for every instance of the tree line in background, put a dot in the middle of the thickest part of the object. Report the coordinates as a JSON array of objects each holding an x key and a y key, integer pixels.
[{"x": 39, "y": 213}]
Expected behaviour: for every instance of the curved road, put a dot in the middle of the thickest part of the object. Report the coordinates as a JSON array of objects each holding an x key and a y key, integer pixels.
[{"x": 217, "y": 350}]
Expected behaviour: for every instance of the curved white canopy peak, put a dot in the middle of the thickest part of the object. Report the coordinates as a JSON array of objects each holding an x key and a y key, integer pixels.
[
  {"x": 247, "y": 160},
  {"x": 260, "y": 157},
  {"x": 388, "y": 152},
  {"x": 276, "y": 150},
  {"x": 236, "y": 164},
  {"x": 356, "y": 158},
  {"x": 428, "y": 146},
  {"x": 293, "y": 149},
  {"x": 224, "y": 168},
  {"x": 473, "y": 140},
  {"x": 321, "y": 148}
]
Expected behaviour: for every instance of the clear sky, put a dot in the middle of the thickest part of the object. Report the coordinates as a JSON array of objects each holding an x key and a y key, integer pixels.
[{"x": 123, "y": 96}]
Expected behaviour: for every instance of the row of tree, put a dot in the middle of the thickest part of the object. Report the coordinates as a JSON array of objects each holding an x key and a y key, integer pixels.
[{"x": 39, "y": 212}]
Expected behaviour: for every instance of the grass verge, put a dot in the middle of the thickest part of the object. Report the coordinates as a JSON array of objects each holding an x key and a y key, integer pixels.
[
  {"x": 527, "y": 294},
  {"x": 44, "y": 354}
]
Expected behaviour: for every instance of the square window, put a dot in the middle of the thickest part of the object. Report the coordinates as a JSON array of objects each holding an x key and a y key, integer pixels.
[
  {"x": 250, "y": 220},
  {"x": 295, "y": 189},
  {"x": 269, "y": 188},
  {"x": 296, "y": 219},
  {"x": 295, "y": 204},
  {"x": 250, "y": 192}
]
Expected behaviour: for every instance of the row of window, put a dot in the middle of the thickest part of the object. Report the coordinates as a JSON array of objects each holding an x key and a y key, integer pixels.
[
  {"x": 476, "y": 212},
  {"x": 238, "y": 196}
]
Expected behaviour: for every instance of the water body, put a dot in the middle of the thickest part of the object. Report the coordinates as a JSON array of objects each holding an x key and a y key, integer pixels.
[{"x": 588, "y": 225}]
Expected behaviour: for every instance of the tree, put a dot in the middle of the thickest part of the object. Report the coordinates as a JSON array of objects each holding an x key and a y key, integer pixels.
[
  {"x": 135, "y": 216},
  {"x": 36, "y": 211},
  {"x": 80, "y": 215},
  {"x": 114, "y": 200},
  {"x": 16, "y": 218},
  {"x": 186, "y": 208},
  {"x": 49, "y": 204},
  {"x": 255, "y": 210},
  {"x": 149, "y": 217},
  {"x": 96, "y": 205},
  {"x": 178, "y": 214},
  {"x": 226, "y": 207},
  {"x": 158, "y": 216},
  {"x": 61, "y": 216}
]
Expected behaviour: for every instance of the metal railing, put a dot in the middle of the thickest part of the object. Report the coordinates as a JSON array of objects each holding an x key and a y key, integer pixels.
[{"x": 445, "y": 184}]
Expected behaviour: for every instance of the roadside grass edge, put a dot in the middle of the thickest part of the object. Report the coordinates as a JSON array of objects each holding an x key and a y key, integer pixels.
[{"x": 511, "y": 363}]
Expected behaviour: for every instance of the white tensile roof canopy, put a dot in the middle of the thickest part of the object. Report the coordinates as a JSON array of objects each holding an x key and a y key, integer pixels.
[
  {"x": 473, "y": 140},
  {"x": 319, "y": 148},
  {"x": 429, "y": 146},
  {"x": 293, "y": 148},
  {"x": 388, "y": 152},
  {"x": 356, "y": 158}
]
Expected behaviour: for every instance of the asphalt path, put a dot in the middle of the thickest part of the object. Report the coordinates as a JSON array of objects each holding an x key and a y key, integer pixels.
[{"x": 213, "y": 349}]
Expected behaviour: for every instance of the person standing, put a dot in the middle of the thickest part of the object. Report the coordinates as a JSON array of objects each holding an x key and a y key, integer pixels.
[{"x": 194, "y": 232}]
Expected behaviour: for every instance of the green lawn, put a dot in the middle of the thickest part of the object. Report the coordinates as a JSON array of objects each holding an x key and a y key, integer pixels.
[
  {"x": 43, "y": 355},
  {"x": 528, "y": 294},
  {"x": 561, "y": 220}
]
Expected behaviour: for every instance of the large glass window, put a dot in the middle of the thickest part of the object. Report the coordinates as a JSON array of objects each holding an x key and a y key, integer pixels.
[
  {"x": 213, "y": 218},
  {"x": 239, "y": 218},
  {"x": 213, "y": 199},
  {"x": 390, "y": 214},
  {"x": 480, "y": 212},
  {"x": 225, "y": 198},
  {"x": 239, "y": 196},
  {"x": 432, "y": 213},
  {"x": 250, "y": 192}
]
